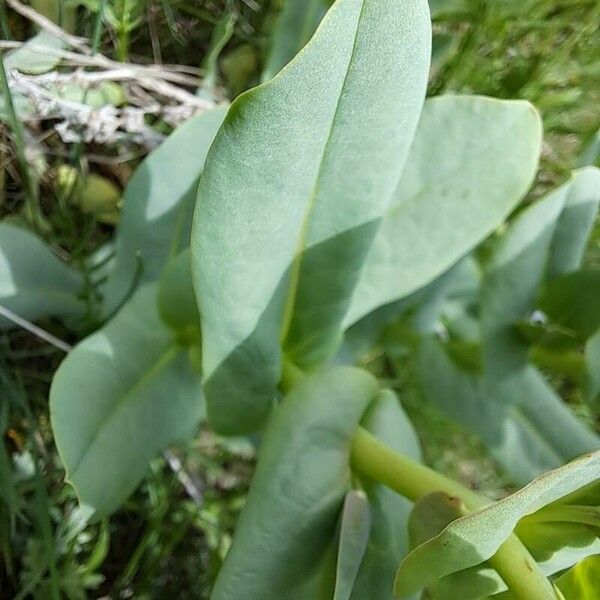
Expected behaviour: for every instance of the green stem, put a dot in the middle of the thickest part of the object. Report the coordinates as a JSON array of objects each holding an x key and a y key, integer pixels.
[{"x": 512, "y": 561}]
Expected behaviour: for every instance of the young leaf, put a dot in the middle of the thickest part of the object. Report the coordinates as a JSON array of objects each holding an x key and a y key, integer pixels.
[
  {"x": 158, "y": 204},
  {"x": 388, "y": 540},
  {"x": 473, "y": 539},
  {"x": 553, "y": 231},
  {"x": 34, "y": 282},
  {"x": 299, "y": 176},
  {"x": 120, "y": 397},
  {"x": 302, "y": 476},
  {"x": 455, "y": 190},
  {"x": 294, "y": 26}
]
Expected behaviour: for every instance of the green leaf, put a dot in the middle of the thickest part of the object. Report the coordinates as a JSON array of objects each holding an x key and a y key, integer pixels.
[
  {"x": 157, "y": 206},
  {"x": 355, "y": 526},
  {"x": 294, "y": 26},
  {"x": 528, "y": 431},
  {"x": 331, "y": 130},
  {"x": 473, "y": 539},
  {"x": 34, "y": 282},
  {"x": 591, "y": 152},
  {"x": 592, "y": 377},
  {"x": 38, "y": 55},
  {"x": 176, "y": 299},
  {"x": 297, "y": 491},
  {"x": 548, "y": 237},
  {"x": 582, "y": 582},
  {"x": 388, "y": 540},
  {"x": 455, "y": 190},
  {"x": 119, "y": 398},
  {"x": 573, "y": 301}
]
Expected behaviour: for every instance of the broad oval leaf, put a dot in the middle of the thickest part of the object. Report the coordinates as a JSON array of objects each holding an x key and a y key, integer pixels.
[
  {"x": 157, "y": 206},
  {"x": 473, "y": 539},
  {"x": 119, "y": 398},
  {"x": 472, "y": 160},
  {"x": 300, "y": 176},
  {"x": 302, "y": 476},
  {"x": 34, "y": 282}
]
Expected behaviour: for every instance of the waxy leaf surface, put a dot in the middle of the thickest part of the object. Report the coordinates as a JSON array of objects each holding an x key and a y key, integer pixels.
[
  {"x": 119, "y": 398},
  {"x": 294, "y": 189},
  {"x": 298, "y": 489}
]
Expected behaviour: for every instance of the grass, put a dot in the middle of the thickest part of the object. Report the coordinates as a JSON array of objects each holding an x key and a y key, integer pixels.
[{"x": 160, "y": 543}]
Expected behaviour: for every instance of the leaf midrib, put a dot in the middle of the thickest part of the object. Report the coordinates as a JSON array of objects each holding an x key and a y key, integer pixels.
[{"x": 288, "y": 313}]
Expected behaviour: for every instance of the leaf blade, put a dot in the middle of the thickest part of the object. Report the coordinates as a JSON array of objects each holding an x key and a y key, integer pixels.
[{"x": 265, "y": 153}]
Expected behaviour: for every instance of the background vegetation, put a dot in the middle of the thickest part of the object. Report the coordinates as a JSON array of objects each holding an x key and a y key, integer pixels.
[{"x": 169, "y": 539}]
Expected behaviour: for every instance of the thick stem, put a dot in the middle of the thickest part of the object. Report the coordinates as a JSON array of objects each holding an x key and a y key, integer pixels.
[{"x": 512, "y": 561}]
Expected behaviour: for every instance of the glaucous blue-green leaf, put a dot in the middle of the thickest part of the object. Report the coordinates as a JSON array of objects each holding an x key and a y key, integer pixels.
[
  {"x": 591, "y": 152},
  {"x": 157, "y": 206},
  {"x": 119, "y": 398},
  {"x": 573, "y": 301},
  {"x": 34, "y": 282},
  {"x": 455, "y": 190},
  {"x": 388, "y": 540},
  {"x": 528, "y": 432},
  {"x": 294, "y": 26},
  {"x": 592, "y": 366},
  {"x": 473, "y": 539},
  {"x": 548, "y": 237},
  {"x": 294, "y": 189},
  {"x": 177, "y": 304},
  {"x": 298, "y": 489},
  {"x": 355, "y": 525}
]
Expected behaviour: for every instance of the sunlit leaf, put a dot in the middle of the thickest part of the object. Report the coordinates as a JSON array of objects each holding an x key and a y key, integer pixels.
[
  {"x": 300, "y": 175},
  {"x": 119, "y": 398}
]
